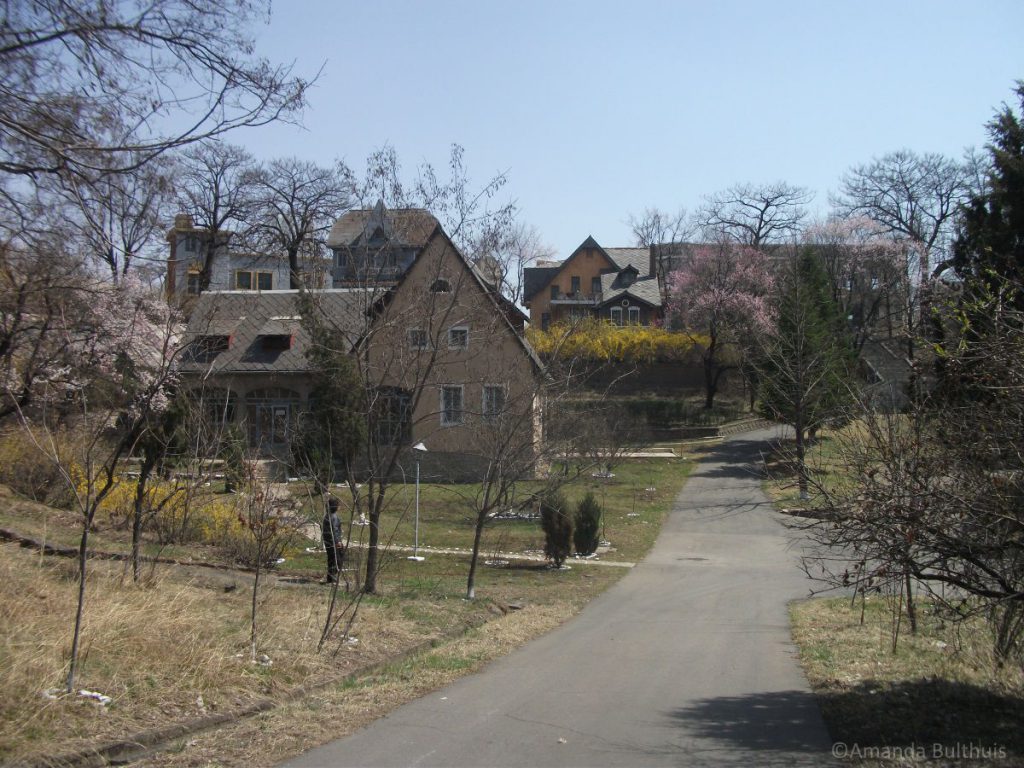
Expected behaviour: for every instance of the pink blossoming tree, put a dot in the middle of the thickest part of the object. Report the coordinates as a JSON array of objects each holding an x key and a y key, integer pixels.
[
  {"x": 721, "y": 292},
  {"x": 120, "y": 387}
]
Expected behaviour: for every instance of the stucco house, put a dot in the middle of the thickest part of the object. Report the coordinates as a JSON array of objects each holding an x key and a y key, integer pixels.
[
  {"x": 440, "y": 352},
  {"x": 620, "y": 285},
  {"x": 233, "y": 269}
]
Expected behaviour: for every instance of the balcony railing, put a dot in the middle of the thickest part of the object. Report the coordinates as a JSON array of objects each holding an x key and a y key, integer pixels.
[{"x": 578, "y": 298}]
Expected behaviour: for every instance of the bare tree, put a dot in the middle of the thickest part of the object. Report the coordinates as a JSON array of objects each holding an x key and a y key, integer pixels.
[
  {"x": 296, "y": 203},
  {"x": 40, "y": 293},
  {"x": 913, "y": 196},
  {"x": 519, "y": 247},
  {"x": 104, "y": 87},
  {"x": 754, "y": 215},
  {"x": 216, "y": 186},
  {"x": 657, "y": 227},
  {"x": 118, "y": 215}
]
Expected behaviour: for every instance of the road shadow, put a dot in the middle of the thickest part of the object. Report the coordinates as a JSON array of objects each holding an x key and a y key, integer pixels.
[
  {"x": 779, "y": 721},
  {"x": 941, "y": 718},
  {"x": 739, "y": 458},
  {"x": 927, "y": 712}
]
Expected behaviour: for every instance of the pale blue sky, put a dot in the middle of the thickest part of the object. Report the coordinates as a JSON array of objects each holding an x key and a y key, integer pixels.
[{"x": 599, "y": 109}]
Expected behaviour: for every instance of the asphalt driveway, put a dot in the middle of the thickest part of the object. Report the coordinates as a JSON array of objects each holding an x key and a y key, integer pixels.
[{"x": 685, "y": 662}]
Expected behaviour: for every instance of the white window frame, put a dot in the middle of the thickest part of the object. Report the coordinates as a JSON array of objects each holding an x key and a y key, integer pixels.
[
  {"x": 457, "y": 329},
  {"x": 615, "y": 314},
  {"x": 634, "y": 311},
  {"x": 412, "y": 335},
  {"x": 491, "y": 414},
  {"x": 461, "y": 412}
]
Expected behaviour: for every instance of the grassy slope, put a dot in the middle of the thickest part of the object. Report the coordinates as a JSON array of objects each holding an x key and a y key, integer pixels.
[
  {"x": 176, "y": 647},
  {"x": 940, "y": 687}
]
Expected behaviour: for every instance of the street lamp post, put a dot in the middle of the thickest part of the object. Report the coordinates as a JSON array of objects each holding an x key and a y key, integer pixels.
[{"x": 419, "y": 448}]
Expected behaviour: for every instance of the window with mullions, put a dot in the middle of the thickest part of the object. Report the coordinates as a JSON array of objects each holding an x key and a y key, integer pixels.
[
  {"x": 615, "y": 313},
  {"x": 493, "y": 401},
  {"x": 458, "y": 337},
  {"x": 270, "y": 413},
  {"x": 418, "y": 339},
  {"x": 634, "y": 315},
  {"x": 393, "y": 416},
  {"x": 452, "y": 411}
]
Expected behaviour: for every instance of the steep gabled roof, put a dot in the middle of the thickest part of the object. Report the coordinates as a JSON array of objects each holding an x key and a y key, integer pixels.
[
  {"x": 638, "y": 258},
  {"x": 403, "y": 227},
  {"x": 535, "y": 278}
]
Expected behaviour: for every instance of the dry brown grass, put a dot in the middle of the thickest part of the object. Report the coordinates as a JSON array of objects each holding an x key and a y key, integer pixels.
[
  {"x": 941, "y": 686},
  {"x": 171, "y": 650},
  {"x": 270, "y": 738}
]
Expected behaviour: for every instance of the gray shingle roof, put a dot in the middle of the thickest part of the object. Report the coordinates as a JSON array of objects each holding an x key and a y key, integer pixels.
[
  {"x": 645, "y": 289},
  {"x": 405, "y": 227},
  {"x": 535, "y": 279},
  {"x": 249, "y": 316},
  {"x": 638, "y": 258}
]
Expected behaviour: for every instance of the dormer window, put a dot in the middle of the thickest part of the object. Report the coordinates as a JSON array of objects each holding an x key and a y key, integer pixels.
[
  {"x": 206, "y": 348},
  {"x": 628, "y": 276},
  {"x": 275, "y": 342},
  {"x": 440, "y": 286}
]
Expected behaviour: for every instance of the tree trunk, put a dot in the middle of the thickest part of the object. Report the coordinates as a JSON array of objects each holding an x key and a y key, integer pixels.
[
  {"x": 83, "y": 549},
  {"x": 911, "y": 608},
  {"x": 370, "y": 584},
  {"x": 477, "y": 535},
  {"x": 148, "y": 462},
  {"x": 294, "y": 276},
  {"x": 255, "y": 589},
  {"x": 801, "y": 464}
]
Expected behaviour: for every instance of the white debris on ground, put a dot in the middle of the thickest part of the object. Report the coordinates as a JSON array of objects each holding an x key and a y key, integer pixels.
[
  {"x": 264, "y": 661},
  {"x": 103, "y": 699},
  {"x": 496, "y": 563}
]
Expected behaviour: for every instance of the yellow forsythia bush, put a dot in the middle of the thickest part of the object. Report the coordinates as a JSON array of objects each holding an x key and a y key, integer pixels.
[{"x": 602, "y": 341}]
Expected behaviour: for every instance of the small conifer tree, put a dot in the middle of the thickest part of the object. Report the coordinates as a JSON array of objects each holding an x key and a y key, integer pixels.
[
  {"x": 586, "y": 535},
  {"x": 556, "y": 521}
]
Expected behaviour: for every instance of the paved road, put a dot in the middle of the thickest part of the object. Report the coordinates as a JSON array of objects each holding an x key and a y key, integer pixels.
[{"x": 685, "y": 662}]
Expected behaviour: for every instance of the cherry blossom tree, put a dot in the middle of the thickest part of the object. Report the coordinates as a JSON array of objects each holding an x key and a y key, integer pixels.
[
  {"x": 867, "y": 271},
  {"x": 721, "y": 292},
  {"x": 122, "y": 382}
]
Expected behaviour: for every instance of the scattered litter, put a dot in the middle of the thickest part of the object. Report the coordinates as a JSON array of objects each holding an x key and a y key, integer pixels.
[
  {"x": 632, "y": 514},
  {"x": 200, "y": 704},
  {"x": 264, "y": 661},
  {"x": 351, "y": 641},
  {"x": 444, "y": 698},
  {"x": 53, "y": 693},
  {"x": 604, "y": 543},
  {"x": 652, "y": 489},
  {"x": 279, "y": 560},
  {"x": 533, "y": 551},
  {"x": 293, "y": 479},
  {"x": 591, "y": 556},
  {"x": 314, "y": 550},
  {"x": 940, "y": 645},
  {"x": 496, "y": 563},
  {"x": 515, "y": 514},
  {"x": 603, "y": 475},
  {"x": 95, "y": 696},
  {"x": 562, "y": 741}
]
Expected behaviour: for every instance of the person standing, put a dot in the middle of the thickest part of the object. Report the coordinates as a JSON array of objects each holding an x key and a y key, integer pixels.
[{"x": 333, "y": 544}]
